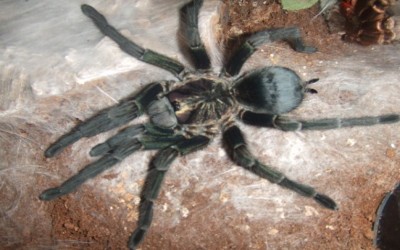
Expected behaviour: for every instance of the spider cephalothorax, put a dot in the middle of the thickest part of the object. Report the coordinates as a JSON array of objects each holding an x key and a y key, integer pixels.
[{"x": 186, "y": 114}]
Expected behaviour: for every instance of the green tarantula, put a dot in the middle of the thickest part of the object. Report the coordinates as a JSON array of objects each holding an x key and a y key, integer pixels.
[{"x": 185, "y": 115}]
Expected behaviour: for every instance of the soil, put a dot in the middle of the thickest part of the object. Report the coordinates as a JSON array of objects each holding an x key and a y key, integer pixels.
[{"x": 241, "y": 17}]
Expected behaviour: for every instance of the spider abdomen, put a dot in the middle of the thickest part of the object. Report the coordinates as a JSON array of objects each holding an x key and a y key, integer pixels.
[
  {"x": 272, "y": 90},
  {"x": 200, "y": 101}
]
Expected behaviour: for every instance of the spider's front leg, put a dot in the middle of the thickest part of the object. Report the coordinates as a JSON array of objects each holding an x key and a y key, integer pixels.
[
  {"x": 238, "y": 151},
  {"x": 115, "y": 116},
  {"x": 250, "y": 45},
  {"x": 123, "y": 143},
  {"x": 131, "y": 48},
  {"x": 156, "y": 174}
]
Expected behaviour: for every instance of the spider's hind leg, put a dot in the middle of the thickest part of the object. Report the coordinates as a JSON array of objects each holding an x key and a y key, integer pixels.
[
  {"x": 237, "y": 148},
  {"x": 250, "y": 45},
  {"x": 288, "y": 124}
]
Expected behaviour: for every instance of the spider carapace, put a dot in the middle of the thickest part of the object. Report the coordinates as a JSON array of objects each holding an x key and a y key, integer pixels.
[{"x": 200, "y": 101}]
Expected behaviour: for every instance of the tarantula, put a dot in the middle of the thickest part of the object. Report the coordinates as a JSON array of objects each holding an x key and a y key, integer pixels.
[{"x": 186, "y": 114}]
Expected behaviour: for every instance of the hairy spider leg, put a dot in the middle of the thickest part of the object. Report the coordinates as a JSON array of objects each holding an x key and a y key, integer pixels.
[
  {"x": 131, "y": 48},
  {"x": 288, "y": 124},
  {"x": 251, "y": 44},
  {"x": 115, "y": 141},
  {"x": 189, "y": 29},
  {"x": 159, "y": 166},
  {"x": 109, "y": 118},
  {"x": 240, "y": 154},
  {"x": 92, "y": 170},
  {"x": 113, "y": 151}
]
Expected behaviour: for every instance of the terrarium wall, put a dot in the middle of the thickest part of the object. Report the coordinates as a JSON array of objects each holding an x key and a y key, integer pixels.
[{"x": 57, "y": 69}]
